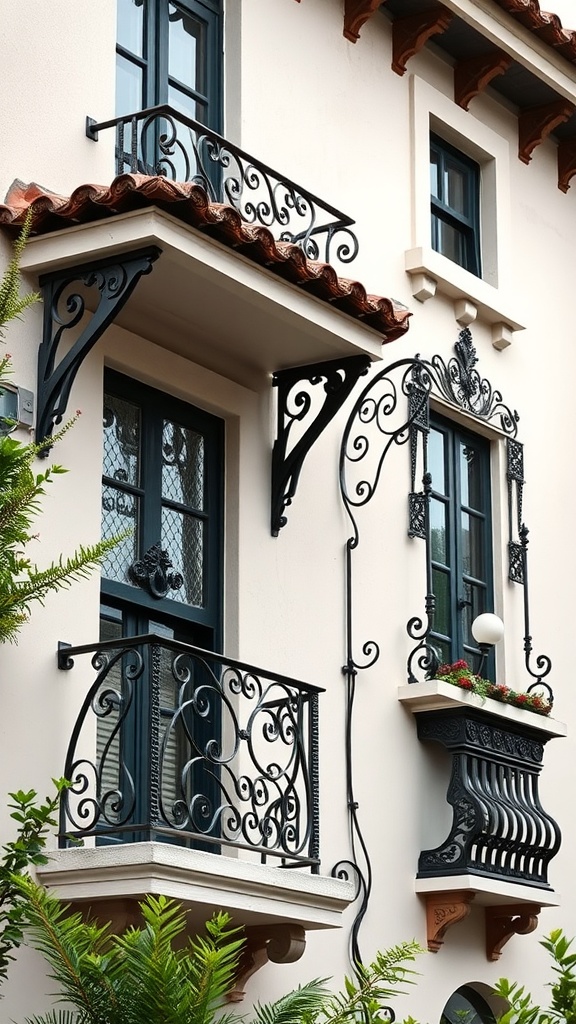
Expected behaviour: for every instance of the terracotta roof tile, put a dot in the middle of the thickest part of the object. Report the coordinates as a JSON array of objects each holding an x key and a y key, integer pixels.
[
  {"x": 190, "y": 203},
  {"x": 546, "y": 26}
]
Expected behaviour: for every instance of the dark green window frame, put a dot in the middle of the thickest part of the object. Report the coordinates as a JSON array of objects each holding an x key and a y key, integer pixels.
[
  {"x": 455, "y": 227},
  {"x": 460, "y": 536},
  {"x": 130, "y": 610},
  {"x": 201, "y": 623},
  {"x": 147, "y": 58}
]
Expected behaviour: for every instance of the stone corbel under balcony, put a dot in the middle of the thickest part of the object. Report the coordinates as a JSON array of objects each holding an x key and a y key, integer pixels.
[{"x": 433, "y": 274}]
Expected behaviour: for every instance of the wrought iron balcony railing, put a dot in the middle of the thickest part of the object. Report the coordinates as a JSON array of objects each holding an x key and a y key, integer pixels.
[
  {"x": 500, "y": 829},
  {"x": 178, "y": 744},
  {"x": 162, "y": 141}
]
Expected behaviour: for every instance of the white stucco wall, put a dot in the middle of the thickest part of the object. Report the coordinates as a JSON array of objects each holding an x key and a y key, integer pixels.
[{"x": 335, "y": 118}]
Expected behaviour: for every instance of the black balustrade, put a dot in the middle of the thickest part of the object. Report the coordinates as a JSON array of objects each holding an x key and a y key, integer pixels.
[
  {"x": 163, "y": 141},
  {"x": 174, "y": 743},
  {"x": 499, "y": 829}
]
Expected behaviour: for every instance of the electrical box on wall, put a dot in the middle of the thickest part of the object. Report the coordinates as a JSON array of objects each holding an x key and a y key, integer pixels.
[{"x": 16, "y": 408}]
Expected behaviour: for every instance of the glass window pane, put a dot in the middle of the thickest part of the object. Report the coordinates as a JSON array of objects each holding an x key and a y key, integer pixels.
[
  {"x": 120, "y": 512},
  {"x": 476, "y": 596},
  {"x": 130, "y": 24},
  {"x": 472, "y": 536},
  {"x": 436, "y": 460},
  {"x": 438, "y": 531},
  {"x": 121, "y": 424},
  {"x": 183, "y": 539},
  {"x": 434, "y": 174},
  {"x": 455, "y": 186},
  {"x": 129, "y": 86},
  {"x": 451, "y": 243},
  {"x": 183, "y": 103},
  {"x": 182, "y": 465},
  {"x": 441, "y": 586},
  {"x": 471, "y": 477},
  {"x": 186, "y": 46}
]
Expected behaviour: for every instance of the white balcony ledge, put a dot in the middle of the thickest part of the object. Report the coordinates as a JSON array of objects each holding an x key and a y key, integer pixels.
[
  {"x": 488, "y": 892},
  {"x": 208, "y": 302},
  {"x": 436, "y": 695},
  {"x": 253, "y": 894}
]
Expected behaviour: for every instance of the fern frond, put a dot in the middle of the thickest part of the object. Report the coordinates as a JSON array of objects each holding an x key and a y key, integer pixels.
[
  {"x": 12, "y": 303},
  {"x": 303, "y": 1003}
]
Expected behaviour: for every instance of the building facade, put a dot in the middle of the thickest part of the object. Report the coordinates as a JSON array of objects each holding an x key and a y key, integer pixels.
[{"x": 305, "y": 266}]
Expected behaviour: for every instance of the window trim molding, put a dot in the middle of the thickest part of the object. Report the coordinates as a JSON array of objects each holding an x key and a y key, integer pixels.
[{"x": 491, "y": 296}]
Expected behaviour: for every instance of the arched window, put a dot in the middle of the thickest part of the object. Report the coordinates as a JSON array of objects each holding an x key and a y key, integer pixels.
[{"x": 466, "y": 1006}]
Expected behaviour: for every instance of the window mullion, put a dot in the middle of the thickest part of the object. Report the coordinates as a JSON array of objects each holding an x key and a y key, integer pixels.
[{"x": 152, "y": 477}]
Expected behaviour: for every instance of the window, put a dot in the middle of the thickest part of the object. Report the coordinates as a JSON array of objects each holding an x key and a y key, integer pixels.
[
  {"x": 466, "y": 1006},
  {"x": 162, "y": 486},
  {"x": 170, "y": 52},
  {"x": 460, "y": 536},
  {"x": 455, "y": 205}
]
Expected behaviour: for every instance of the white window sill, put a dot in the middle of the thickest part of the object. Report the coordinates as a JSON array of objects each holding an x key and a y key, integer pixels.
[
  {"x": 437, "y": 696},
  {"x": 253, "y": 894},
  {"x": 431, "y": 274}
]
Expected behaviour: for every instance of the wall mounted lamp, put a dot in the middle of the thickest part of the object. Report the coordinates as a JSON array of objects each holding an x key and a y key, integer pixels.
[{"x": 487, "y": 630}]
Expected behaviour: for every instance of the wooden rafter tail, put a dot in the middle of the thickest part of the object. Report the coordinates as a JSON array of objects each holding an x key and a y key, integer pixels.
[
  {"x": 473, "y": 75},
  {"x": 536, "y": 123},
  {"x": 566, "y": 163},
  {"x": 503, "y": 922},
  {"x": 410, "y": 34},
  {"x": 356, "y": 14}
]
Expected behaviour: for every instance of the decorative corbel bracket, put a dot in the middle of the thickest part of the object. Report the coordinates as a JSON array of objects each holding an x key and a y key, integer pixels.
[
  {"x": 566, "y": 163},
  {"x": 536, "y": 123},
  {"x": 356, "y": 14},
  {"x": 277, "y": 943},
  {"x": 503, "y": 922},
  {"x": 473, "y": 75},
  {"x": 443, "y": 909},
  {"x": 112, "y": 281},
  {"x": 410, "y": 34},
  {"x": 294, "y": 406}
]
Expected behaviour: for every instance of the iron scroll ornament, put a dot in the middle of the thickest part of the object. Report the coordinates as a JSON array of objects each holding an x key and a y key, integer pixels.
[
  {"x": 392, "y": 411},
  {"x": 152, "y": 572}
]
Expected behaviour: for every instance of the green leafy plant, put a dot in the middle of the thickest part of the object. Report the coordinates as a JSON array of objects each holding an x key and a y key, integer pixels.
[
  {"x": 562, "y": 1009},
  {"x": 460, "y": 674},
  {"x": 34, "y": 821},
  {"x": 148, "y": 974}
]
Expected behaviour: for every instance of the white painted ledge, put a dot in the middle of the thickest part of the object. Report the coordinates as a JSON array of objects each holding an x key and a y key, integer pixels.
[
  {"x": 489, "y": 892},
  {"x": 254, "y": 894},
  {"x": 444, "y": 277},
  {"x": 436, "y": 696}
]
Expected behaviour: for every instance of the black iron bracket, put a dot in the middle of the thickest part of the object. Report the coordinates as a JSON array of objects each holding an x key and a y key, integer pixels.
[
  {"x": 113, "y": 280},
  {"x": 294, "y": 406}
]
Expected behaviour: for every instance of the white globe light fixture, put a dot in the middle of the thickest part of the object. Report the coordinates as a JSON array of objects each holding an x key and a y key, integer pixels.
[{"x": 487, "y": 630}]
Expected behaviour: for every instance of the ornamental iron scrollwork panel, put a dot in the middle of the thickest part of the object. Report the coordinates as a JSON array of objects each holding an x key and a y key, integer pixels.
[
  {"x": 499, "y": 828},
  {"x": 163, "y": 141},
  {"x": 304, "y": 411},
  {"x": 515, "y": 480},
  {"x": 233, "y": 763},
  {"x": 110, "y": 283},
  {"x": 378, "y": 425}
]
